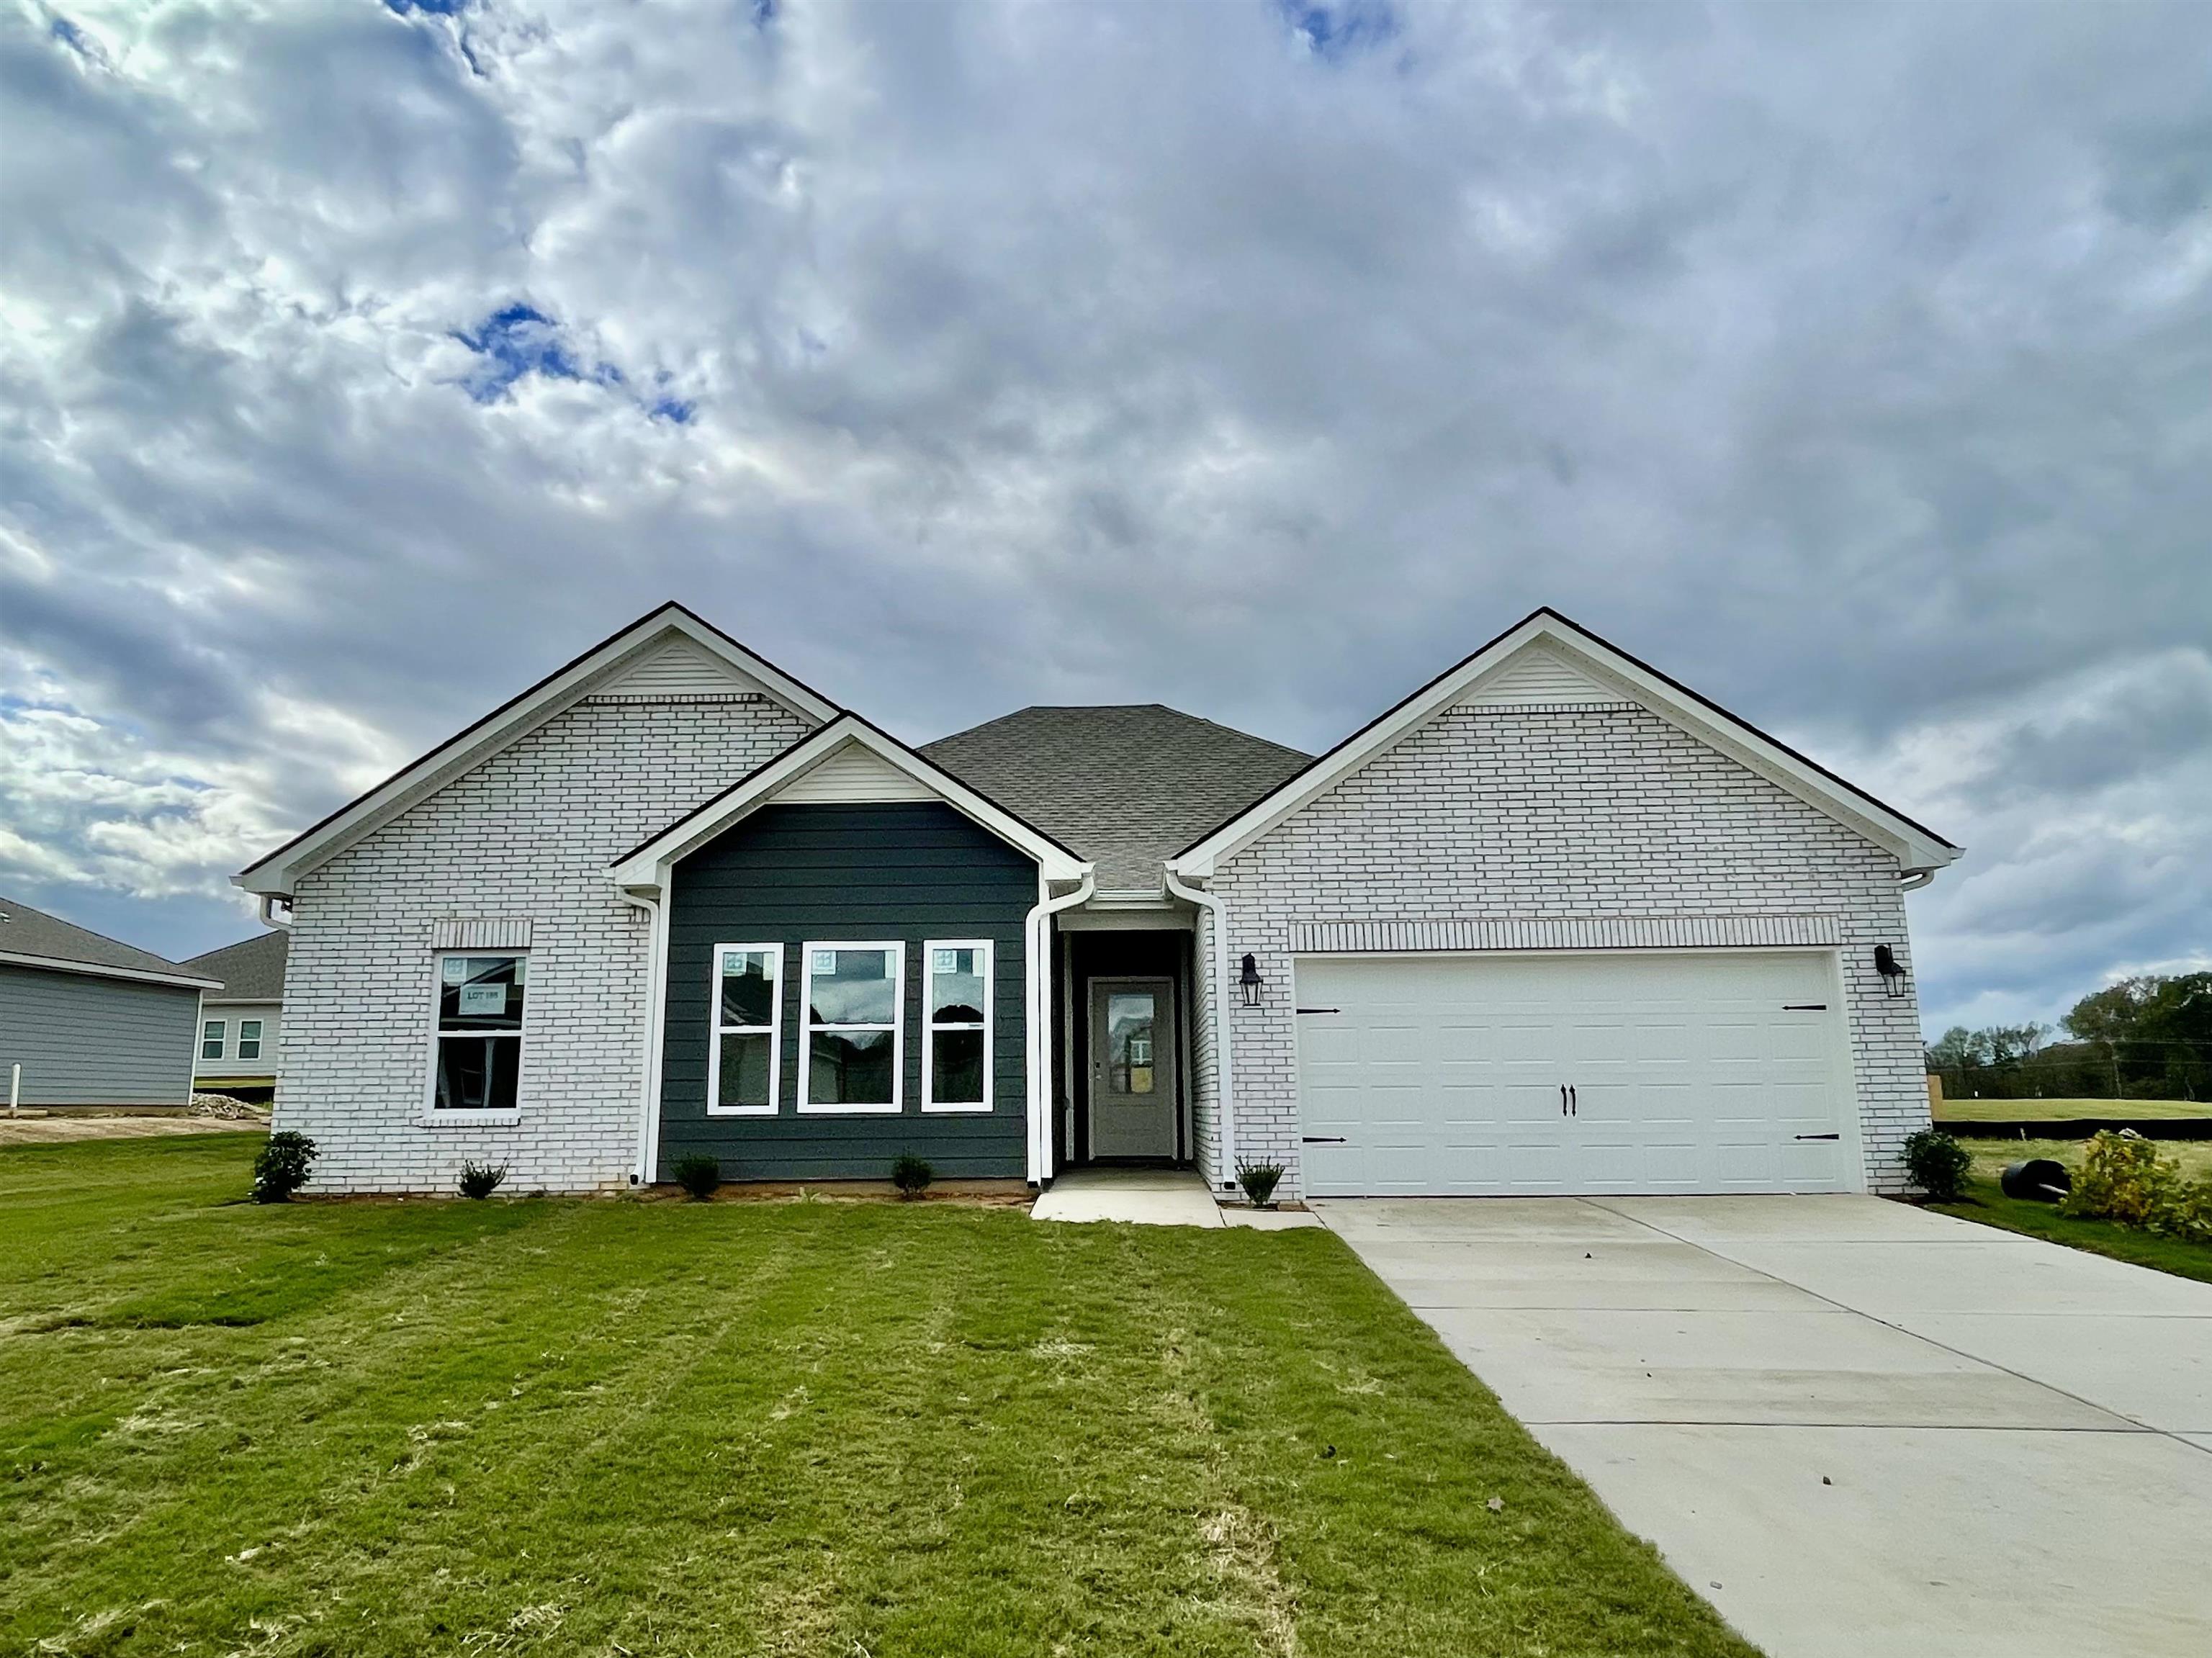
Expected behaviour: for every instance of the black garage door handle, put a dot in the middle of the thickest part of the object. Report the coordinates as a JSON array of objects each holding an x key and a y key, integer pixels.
[
  {"x": 1323, "y": 1139},
  {"x": 1819, "y": 1137}
]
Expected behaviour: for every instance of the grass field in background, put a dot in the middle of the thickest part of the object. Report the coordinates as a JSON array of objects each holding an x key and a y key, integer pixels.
[
  {"x": 788, "y": 1427},
  {"x": 2034, "y": 1110}
]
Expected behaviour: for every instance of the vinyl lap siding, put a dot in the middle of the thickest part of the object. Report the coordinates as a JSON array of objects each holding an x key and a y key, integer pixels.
[
  {"x": 83, "y": 1041},
  {"x": 793, "y": 875}
]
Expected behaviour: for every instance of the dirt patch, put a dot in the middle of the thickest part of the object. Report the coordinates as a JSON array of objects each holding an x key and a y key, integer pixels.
[{"x": 27, "y": 1130}]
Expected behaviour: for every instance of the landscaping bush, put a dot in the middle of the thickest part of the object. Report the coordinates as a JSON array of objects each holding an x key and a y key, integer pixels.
[
  {"x": 1259, "y": 1180},
  {"x": 1938, "y": 1164},
  {"x": 699, "y": 1175},
  {"x": 912, "y": 1175},
  {"x": 481, "y": 1180},
  {"x": 2123, "y": 1178},
  {"x": 282, "y": 1167}
]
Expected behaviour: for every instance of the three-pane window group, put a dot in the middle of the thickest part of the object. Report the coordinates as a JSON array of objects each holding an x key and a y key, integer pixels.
[
  {"x": 851, "y": 1035},
  {"x": 851, "y": 1028}
]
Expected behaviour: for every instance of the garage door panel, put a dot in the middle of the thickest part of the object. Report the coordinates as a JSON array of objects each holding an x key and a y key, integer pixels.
[{"x": 1443, "y": 1074}]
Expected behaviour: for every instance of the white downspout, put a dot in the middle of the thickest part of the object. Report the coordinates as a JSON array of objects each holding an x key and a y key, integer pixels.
[
  {"x": 1038, "y": 1033},
  {"x": 648, "y": 1123},
  {"x": 1226, "y": 1136}
]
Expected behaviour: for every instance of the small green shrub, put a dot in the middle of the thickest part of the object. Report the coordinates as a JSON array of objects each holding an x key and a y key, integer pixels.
[
  {"x": 1259, "y": 1180},
  {"x": 699, "y": 1175},
  {"x": 1938, "y": 1164},
  {"x": 481, "y": 1180},
  {"x": 282, "y": 1167},
  {"x": 2123, "y": 1178},
  {"x": 912, "y": 1175}
]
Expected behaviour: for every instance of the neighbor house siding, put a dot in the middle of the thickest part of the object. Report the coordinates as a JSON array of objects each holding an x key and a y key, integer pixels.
[
  {"x": 909, "y": 871},
  {"x": 87, "y": 1040},
  {"x": 214, "y": 1073},
  {"x": 1599, "y": 811},
  {"x": 523, "y": 841}
]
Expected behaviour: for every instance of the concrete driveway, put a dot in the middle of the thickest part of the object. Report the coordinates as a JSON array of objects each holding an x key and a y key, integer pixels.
[{"x": 1856, "y": 1428}]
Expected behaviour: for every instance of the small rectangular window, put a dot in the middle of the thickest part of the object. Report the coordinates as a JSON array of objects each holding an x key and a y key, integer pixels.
[
  {"x": 479, "y": 1059},
  {"x": 744, "y": 1072},
  {"x": 956, "y": 1064},
  {"x": 211, "y": 1040},
  {"x": 249, "y": 1039},
  {"x": 854, "y": 1052}
]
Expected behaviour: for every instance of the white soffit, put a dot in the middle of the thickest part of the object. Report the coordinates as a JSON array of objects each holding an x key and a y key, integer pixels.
[
  {"x": 680, "y": 667},
  {"x": 1538, "y": 676},
  {"x": 852, "y": 775}
]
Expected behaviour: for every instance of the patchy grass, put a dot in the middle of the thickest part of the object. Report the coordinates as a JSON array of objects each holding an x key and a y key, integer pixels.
[
  {"x": 1989, "y": 1206},
  {"x": 777, "y": 1428},
  {"x": 2041, "y": 1110}
]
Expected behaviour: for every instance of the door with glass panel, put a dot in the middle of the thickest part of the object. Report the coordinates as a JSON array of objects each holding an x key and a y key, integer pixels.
[{"x": 1133, "y": 1068}]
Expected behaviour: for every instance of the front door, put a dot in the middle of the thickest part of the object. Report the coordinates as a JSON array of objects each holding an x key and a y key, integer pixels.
[{"x": 1133, "y": 1078}]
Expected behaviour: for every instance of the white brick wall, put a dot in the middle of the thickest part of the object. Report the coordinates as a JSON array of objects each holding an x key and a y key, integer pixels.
[
  {"x": 525, "y": 837},
  {"x": 1591, "y": 810}
]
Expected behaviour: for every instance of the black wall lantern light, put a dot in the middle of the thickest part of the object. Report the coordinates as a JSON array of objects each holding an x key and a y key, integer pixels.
[
  {"x": 1249, "y": 979},
  {"x": 1892, "y": 970}
]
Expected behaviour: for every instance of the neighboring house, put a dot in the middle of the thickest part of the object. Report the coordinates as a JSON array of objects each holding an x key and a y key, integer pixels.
[
  {"x": 92, "y": 1021},
  {"x": 1554, "y": 924},
  {"x": 237, "y": 1050}
]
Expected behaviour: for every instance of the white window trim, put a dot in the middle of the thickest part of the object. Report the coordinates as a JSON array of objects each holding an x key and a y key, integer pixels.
[
  {"x": 433, "y": 1118},
  {"x": 222, "y": 1028},
  {"x": 807, "y": 1028},
  {"x": 716, "y": 1030},
  {"x": 929, "y": 1026},
  {"x": 256, "y": 1039}
]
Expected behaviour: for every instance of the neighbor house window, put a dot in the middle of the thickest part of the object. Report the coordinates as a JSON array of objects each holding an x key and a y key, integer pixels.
[
  {"x": 743, "y": 1073},
  {"x": 956, "y": 1064},
  {"x": 853, "y": 1054},
  {"x": 249, "y": 1039},
  {"x": 211, "y": 1040},
  {"x": 479, "y": 1032}
]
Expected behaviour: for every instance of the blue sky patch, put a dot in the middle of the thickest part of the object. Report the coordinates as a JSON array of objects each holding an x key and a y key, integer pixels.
[
  {"x": 519, "y": 340},
  {"x": 1338, "y": 29}
]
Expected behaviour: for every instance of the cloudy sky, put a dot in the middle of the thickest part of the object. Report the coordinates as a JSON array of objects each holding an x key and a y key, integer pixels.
[{"x": 360, "y": 362}]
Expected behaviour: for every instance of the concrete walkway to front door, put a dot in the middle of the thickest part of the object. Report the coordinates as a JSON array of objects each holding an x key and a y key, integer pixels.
[
  {"x": 1150, "y": 1197},
  {"x": 1857, "y": 1428}
]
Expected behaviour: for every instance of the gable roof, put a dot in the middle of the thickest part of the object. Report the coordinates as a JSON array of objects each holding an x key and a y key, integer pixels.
[
  {"x": 597, "y": 669},
  {"x": 252, "y": 970},
  {"x": 647, "y": 865},
  {"x": 1125, "y": 785},
  {"x": 1578, "y": 653},
  {"x": 31, "y": 937}
]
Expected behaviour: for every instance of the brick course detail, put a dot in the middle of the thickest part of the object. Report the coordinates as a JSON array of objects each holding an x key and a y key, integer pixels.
[
  {"x": 1602, "y": 815},
  {"x": 516, "y": 849}
]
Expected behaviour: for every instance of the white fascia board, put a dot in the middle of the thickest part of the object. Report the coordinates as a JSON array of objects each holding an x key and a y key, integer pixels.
[
  {"x": 646, "y": 870},
  {"x": 99, "y": 970},
  {"x": 1915, "y": 847},
  {"x": 276, "y": 874}
]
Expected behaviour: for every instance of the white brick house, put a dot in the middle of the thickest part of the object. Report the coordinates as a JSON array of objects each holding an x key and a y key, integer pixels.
[{"x": 1552, "y": 923}]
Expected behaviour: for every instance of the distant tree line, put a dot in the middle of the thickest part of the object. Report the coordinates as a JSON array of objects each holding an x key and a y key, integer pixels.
[{"x": 2145, "y": 1038}]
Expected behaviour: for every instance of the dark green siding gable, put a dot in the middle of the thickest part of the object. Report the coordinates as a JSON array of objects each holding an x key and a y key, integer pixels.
[{"x": 914, "y": 870}]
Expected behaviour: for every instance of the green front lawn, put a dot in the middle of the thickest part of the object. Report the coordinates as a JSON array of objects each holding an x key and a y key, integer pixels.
[
  {"x": 794, "y": 1427},
  {"x": 2056, "y": 1110},
  {"x": 2042, "y": 1220}
]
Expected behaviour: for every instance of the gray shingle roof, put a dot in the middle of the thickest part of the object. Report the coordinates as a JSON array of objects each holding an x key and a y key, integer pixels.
[
  {"x": 28, "y": 932},
  {"x": 1126, "y": 785},
  {"x": 252, "y": 970}
]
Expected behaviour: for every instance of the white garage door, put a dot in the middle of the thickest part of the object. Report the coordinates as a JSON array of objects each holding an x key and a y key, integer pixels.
[{"x": 1642, "y": 1072}]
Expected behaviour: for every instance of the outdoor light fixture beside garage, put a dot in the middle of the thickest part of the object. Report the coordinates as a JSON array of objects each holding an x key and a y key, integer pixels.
[
  {"x": 1892, "y": 970},
  {"x": 1250, "y": 981}
]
